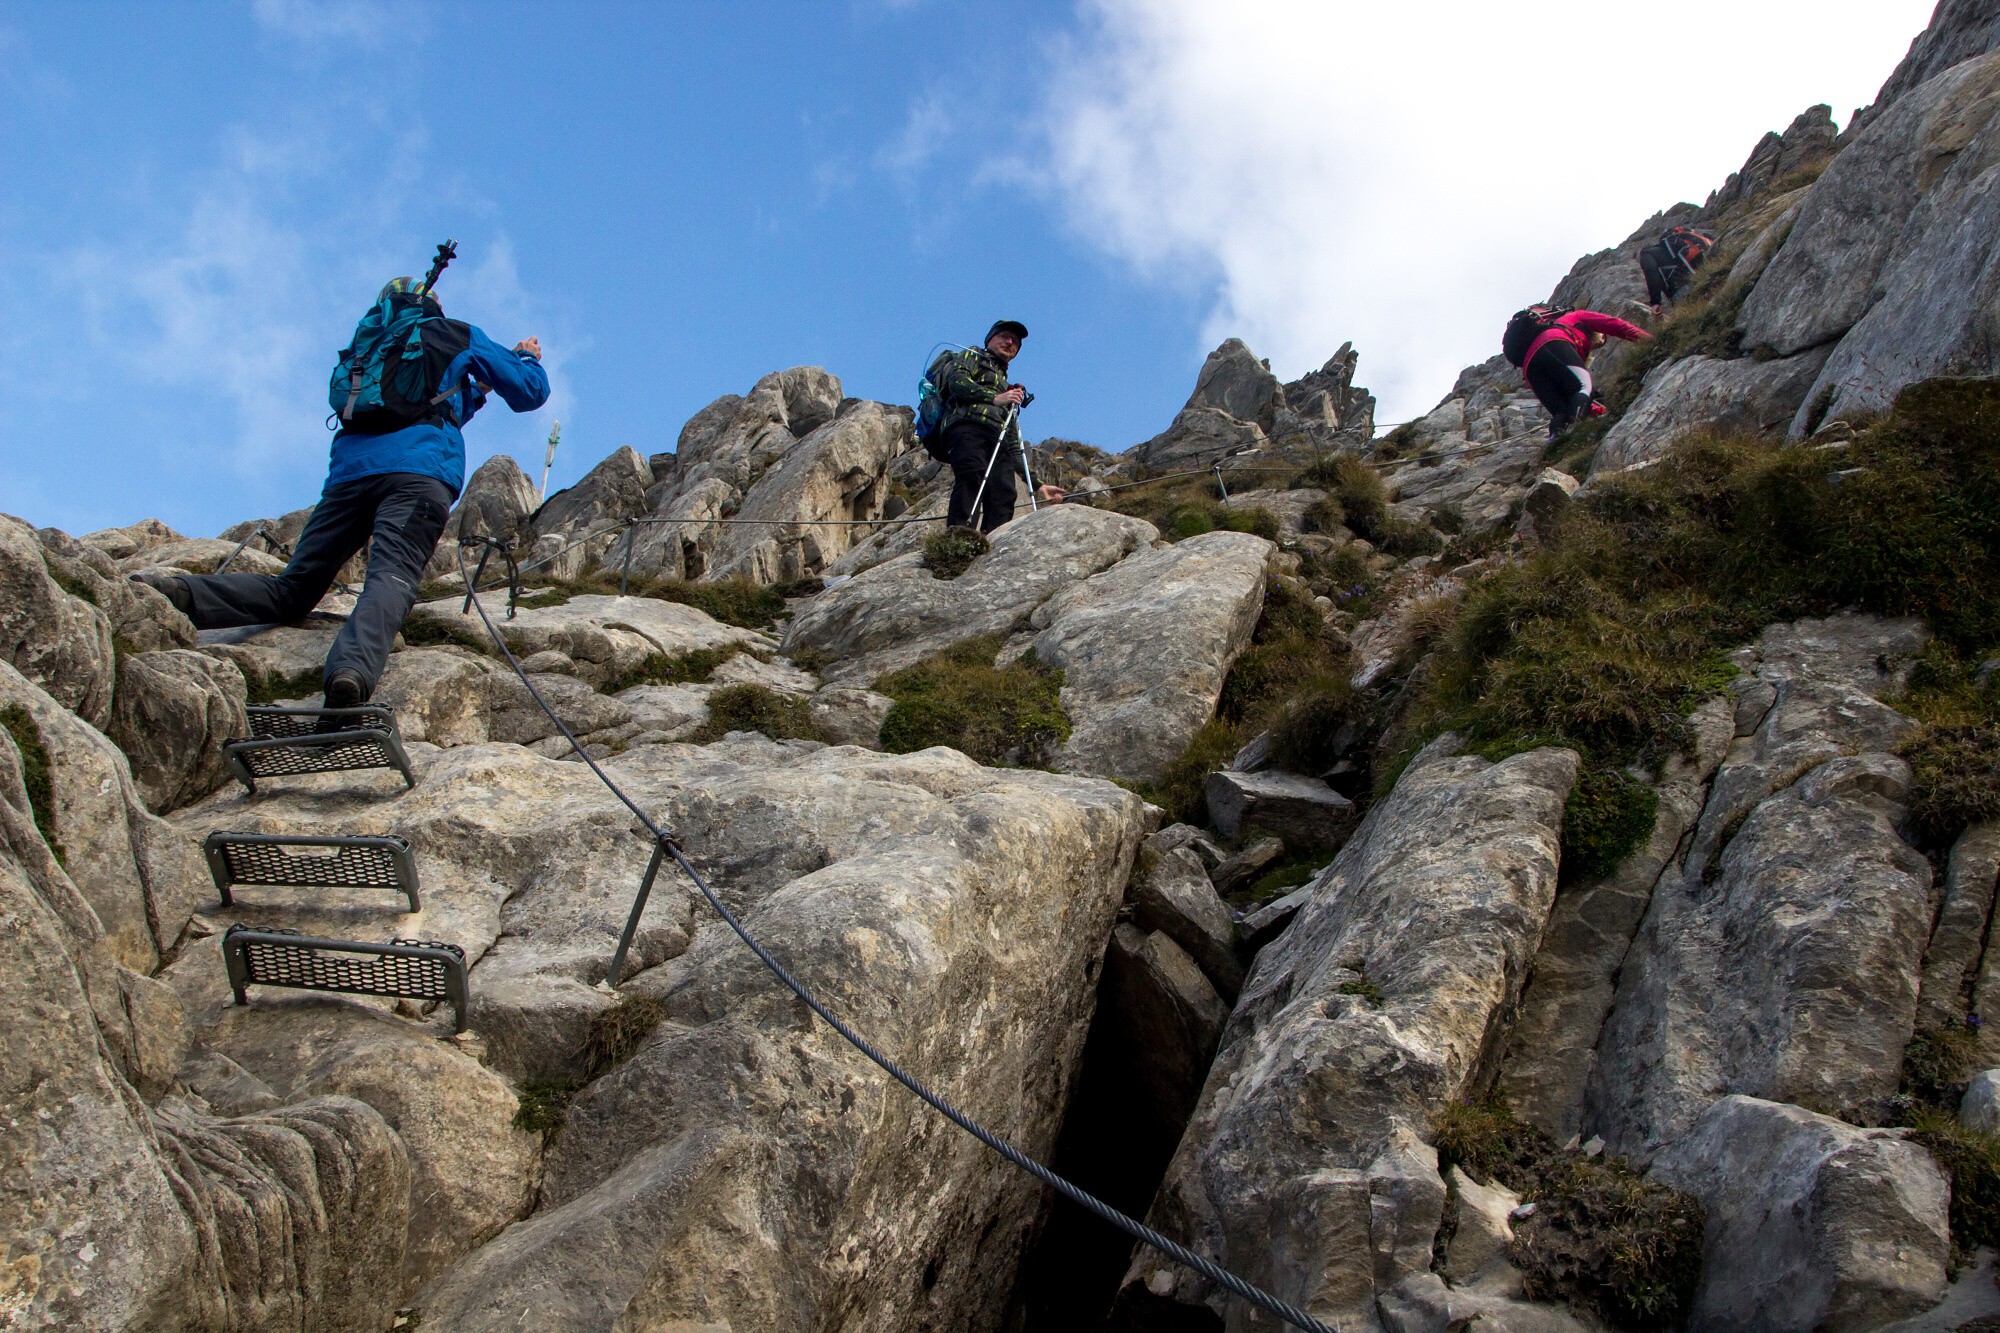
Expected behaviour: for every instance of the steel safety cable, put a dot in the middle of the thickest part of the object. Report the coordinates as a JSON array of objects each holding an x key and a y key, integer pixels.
[{"x": 1222, "y": 1277}]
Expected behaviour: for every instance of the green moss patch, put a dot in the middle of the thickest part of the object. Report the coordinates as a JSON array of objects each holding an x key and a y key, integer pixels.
[
  {"x": 436, "y": 632},
  {"x": 36, "y": 774},
  {"x": 950, "y": 553},
  {"x": 1602, "y": 1238},
  {"x": 71, "y": 584},
  {"x": 693, "y": 667},
  {"x": 1190, "y": 507},
  {"x": 1359, "y": 501},
  {"x": 1002, "y": 716},
  {"x": 756, "y": 708},
  {"x": 543, "y": 1105},
  {"x": 269, "y": 689}
]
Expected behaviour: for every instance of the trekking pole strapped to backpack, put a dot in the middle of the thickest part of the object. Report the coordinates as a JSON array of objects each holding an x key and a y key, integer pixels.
[{"x": 390, "y": 375}]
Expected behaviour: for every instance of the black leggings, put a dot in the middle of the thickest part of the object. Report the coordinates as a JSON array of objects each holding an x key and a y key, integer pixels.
[
  {"x": 1562, "y": 382},
  {"x": 1665, "y": 275}
]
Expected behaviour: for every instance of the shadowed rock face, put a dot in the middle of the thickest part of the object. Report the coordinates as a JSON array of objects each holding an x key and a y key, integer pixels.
[{"x": 1304, "y": 1167}]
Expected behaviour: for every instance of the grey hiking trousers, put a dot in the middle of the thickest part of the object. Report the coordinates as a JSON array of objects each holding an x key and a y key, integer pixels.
[{"x": 403, "y": 512}]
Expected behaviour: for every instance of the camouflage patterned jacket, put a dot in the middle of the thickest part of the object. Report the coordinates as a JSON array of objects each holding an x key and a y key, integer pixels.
[{"x": 974, "y": 380}]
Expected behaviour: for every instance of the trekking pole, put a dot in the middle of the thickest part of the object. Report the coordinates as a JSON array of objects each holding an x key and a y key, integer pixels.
[
  {"x": 549, "y": 458},
  {"x": 998, "y": 445},
  {"x": 446, "y": 253},
  {"x": 1027, "y": 472}
]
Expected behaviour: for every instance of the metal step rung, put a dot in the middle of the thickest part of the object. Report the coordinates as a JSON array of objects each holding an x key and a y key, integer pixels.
[
  {"x": 404, "y": 969},
  {"x": 373, "y": 862},
  {"x": 287, "y": 742}
]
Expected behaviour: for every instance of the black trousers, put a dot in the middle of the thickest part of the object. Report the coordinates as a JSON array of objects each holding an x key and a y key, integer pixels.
[
  {"x": 402, "y": 512},
  {"x": 968, "y": 445},
  {"x": 1665, "y": 275},
  {"x": 1562, "y": 383}
]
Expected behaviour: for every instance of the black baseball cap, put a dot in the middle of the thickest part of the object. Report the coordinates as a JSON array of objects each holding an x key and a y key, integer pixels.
[{"x": 1013, "y": 326}]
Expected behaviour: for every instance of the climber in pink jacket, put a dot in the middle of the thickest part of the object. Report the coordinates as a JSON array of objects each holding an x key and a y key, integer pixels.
[{"x": 1557, "y": 364}]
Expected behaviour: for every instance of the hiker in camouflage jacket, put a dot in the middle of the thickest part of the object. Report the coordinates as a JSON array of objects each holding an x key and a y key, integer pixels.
[{"x": 977, "y": 400}]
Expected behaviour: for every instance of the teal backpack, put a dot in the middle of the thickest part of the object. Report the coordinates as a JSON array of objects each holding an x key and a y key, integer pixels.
[{"x": 391, "y": 374}]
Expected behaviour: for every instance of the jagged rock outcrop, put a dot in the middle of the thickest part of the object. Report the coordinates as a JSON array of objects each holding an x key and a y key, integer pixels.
[
  {"x": 1305, "y": 1167},
  {"x": 497, "y": 501},
  {"x": 1959, "y": 30},
  {"x": 1892, "y": 255},
  {"x": 579, "y": 524},
  {"x": 1238, "y": 404}
]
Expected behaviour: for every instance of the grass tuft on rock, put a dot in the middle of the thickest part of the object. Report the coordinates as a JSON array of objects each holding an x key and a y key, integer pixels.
[
  {"x": 1955, "y": 753},
  {"x": 1606, "y": 637},
  {"x": 36, "y": 775},
  {"x": 950, "y": 553},
  {"x": 781, "y": 717},
  {"x": 1602, "y": 1238},
  {"x": 1005, "y": 716},
  {"x": 1970, "y": 1159},
  {"x": 693, "y": 667},
  {"x": 1937, "y": 1064},
  {"x": 617, "y": 1031},
  {"x": 1359, "y": 501},
  {"x": 543, "y": 1105},
  {"x": 1608, "y": 815},
  {"x": 1190, "y": 507}
]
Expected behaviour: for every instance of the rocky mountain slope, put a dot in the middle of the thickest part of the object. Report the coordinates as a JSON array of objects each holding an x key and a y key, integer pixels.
[{"x": 1448, "y": 879}]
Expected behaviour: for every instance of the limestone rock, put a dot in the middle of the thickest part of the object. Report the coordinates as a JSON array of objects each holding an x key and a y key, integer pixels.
[
  {"x": 604, "y": 636},
  {"x": 471, "y": 1172},
  {"x": 885, "y": 882},
  {"x": 172, "y": 712},
  {"x": 512, "y": 714},
  {"x": 61, "y": 642},
  {"x": 1951, "y": 960},
  {"x": 1979, "y": 1108},
  {"x": 118, "y": 543},
  {"x": 1553, "y": 1046},
  {"x": 835, "y": 473},
  {"x": 609, "y": 493},
  {"x": 142, "y": 620},
  {"x": 1421, "y": 1303},
  {"x": 1302, "y": 811},
  {"x": 1545, "y": 503},
  {"x": 1700, "y": 393},
  {"x": 899, "y": 613},
  {"x": 497, "y": 501},
  {"x": 1301, "y": 1169},
  {"x": 1788, "y": 969},
  {"x": 1476, "y": 453},
  {"x": 850, "y": 716},
  {"x": 1812, "y": 1224},
  {"x": 1144, "y": 647},
  {"x": 1170, "y": 893},
  {"x": 1959, "y": 30},
  {"x": 277, "y": 661},
  {"x": 1169, "y": 1020},
  {"x": 442, "y": 695},
  {"x": 1477, "y": 1254},
  {"x": 201, "y": 555},
  {"x": 1198, "y": 436}
]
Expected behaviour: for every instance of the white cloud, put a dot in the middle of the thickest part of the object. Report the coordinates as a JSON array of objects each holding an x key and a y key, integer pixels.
[
  {"x": 367, "y": 22},
  {"x": 1405, "y": 175}
]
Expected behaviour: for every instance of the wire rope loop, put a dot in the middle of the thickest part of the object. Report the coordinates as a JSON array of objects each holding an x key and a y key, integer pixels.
[{"x": 665, "y": 841}]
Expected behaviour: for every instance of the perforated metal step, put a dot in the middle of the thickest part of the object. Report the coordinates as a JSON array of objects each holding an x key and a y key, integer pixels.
[
  {"x": 372, "y": 862},
  {"x": 287, "y": 742},
  {"x": 404, "y": 969}
]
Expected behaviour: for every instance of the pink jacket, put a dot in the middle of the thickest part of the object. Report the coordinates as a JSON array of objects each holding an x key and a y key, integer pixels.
[{"x": 1576, "y": 328}]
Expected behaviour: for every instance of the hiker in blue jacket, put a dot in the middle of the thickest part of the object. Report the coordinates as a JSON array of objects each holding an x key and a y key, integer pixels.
[{"x": 392, "y": 486}]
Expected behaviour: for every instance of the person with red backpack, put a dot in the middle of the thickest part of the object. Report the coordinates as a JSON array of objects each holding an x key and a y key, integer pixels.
[
  {"x": 1669, "y": 263},
  {"x": 1552, "y": 347}
]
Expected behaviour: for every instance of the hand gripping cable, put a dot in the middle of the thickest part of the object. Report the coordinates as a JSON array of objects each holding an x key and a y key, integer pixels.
[{"x": 665, "y": 842}]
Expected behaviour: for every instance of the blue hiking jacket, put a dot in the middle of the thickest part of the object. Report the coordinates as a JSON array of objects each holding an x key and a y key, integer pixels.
[{"x": 437, "y": 449}]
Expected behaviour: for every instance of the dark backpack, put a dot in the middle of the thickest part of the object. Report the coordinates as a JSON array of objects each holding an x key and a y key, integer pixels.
[
  {"x": 1687, "y": 246},
  {"x": 1526, "y": 326},
  {"x": 931, "y": 404},
  {"x": 392, "y": 374}
]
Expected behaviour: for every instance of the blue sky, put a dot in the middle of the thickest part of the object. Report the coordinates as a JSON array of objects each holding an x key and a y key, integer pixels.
[{"x": 200, "y": 199}]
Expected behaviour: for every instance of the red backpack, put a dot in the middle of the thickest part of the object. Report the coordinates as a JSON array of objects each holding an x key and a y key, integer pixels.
[{"x": 1687, "y": 245}]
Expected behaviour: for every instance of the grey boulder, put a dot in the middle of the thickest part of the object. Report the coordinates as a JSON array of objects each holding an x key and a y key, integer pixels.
[
  {"x": 1302, "y": 811},
  {"x": 1812, "y": 1224},
  {"x": 171, "y": 715}
]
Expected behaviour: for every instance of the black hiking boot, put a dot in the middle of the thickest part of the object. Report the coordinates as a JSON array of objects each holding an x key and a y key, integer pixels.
[
  {"x": 170, "y": 586},
  {"x": 345, "y": 690}
]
